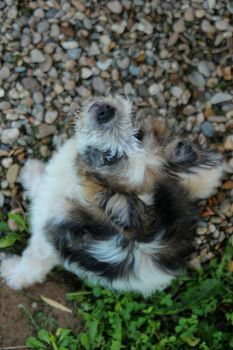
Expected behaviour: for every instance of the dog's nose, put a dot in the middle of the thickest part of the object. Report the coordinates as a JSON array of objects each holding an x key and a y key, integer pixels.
[{"x": 104, "y": 113}]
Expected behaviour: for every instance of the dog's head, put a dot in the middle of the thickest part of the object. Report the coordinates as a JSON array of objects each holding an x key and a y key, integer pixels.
[{"x": 115, "y": 147}]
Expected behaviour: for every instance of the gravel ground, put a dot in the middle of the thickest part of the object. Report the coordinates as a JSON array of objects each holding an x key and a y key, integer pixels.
[{"x": 173, "y": 58}]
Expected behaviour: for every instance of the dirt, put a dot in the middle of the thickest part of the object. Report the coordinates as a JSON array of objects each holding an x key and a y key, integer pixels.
[{"x": 22, "y": 312}]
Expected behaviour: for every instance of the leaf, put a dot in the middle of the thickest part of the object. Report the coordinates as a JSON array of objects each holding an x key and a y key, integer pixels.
[
  {"x": 9, "y": 240},
  {"x": 44, "y": 335},
  {"x": 35, "y": 343},
  {"x": 55, "y": 304},
  {"x": 191, "y": 341},
  {"x": 4, "y": 227},
  {"x": 19, "y": 220}
]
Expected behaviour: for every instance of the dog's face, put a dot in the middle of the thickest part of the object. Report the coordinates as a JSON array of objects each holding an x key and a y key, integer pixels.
[{"x": 115, "y": 147}]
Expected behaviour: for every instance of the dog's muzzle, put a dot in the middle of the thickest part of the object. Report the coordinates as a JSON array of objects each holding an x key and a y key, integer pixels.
[{"x": 102, "y": 112}]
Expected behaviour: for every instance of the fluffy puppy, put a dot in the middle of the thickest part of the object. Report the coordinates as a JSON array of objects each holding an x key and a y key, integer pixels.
[{"x": 115, "y": 204}]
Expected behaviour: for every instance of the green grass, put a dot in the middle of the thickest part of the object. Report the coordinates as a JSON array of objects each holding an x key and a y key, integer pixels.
[{"x": 196, "y": 312}]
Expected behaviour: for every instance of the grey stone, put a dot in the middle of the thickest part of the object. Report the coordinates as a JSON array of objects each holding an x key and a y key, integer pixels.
[
  {"x": 51, "y": 116},
  {"x": 42, "y": 26},
  {"x": 12, "y": 173},
  {"x": 99, "y": 85},
  {"x": 221, "y": 97},
  {"x": 208, "y": 129},
  {"x": 4, "y": 73},
  {"x": 31, "y": 84},
  {"x": 45, "y": 130},
  {"x": 2, "y": 200},
  {"x": 10, "y": 135},
  {"x": 74, "y": 54},
  {"x": 134, "y": 70},
  {"x": 197, "y": 79},
  {"x": 37, "y": 56},
  {"x": 115, "y": 6}
]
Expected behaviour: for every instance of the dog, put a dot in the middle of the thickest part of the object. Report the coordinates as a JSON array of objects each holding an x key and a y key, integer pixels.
[{"x": 116, "y": 204}]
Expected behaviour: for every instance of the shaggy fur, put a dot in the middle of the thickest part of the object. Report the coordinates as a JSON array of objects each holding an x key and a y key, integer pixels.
[{"x": 115, "y": 204}]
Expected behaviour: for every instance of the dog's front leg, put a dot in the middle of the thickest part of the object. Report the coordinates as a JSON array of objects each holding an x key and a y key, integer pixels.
[
  {"x": 200, "y": 171},
  {"x": 22, "y": 271}
]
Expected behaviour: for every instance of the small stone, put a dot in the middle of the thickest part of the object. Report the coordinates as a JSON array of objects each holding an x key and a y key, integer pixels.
[
  {"x": 207, "y": 27},
  {"x": 114, "y": 6},
  {"x": 189, "y": 14},
  {"x": 68, "y": 45},
  {"x": 179, "y": 26},
  {"x": 203, "y": 68},
  {"x": 7, "y": 162},
  {"x": 143, "y": 91},
  {"x": 155, "y": 89},
  {"x": 12, "y": 173},
  {"x": 134, "y": 70},
  {"x": 228, "y": 144},
  {"x": 47, "y": 64},
  {"x": 225, "y": 206},
  {"x": 86, "y": 73},
  {"x": 228, "y": 185},
  {"x": 9, "y": 136},
  {"x": 55, "y": 31},
  {"x": 201, "y": 230},
  {"x": 189, "y": 110},
  {"x": 211, "y": 4},
  {"x": 4, "y": 106},
  {"x": 221, "y": 97},
  {"x": 31, "y": 84},
  {"x": 222, "y": 25},
  {"x": 45, "y": 130},
  {"x": 12, "y": 13},
  {"x": 37, "y": 56},
  {"x": 104, "y": 65},
  {"x": 38, "y": 97},
  {"x": 99, "y": 85},
  {"x": 74, "y": 54},
  {"x": 2, "y": 92},
  {"x": 197, "y": 79},
  {"x": 173, "y": 39},
  {"x": 208, "y": 129},
  {"x": 94, "y": 50},
  {"x": 2, "y": 200},
  {"x": 176, "y": 91},
  {"x": 43, "y": 26},
  {"x": 51, "y": 116},
  {"x": 4, "y": 73}
]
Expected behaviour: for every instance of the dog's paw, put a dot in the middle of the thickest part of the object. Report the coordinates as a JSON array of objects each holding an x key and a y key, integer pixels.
[
  {"x": 10, "y": 271},
  {"x": 31, "y": 170}
]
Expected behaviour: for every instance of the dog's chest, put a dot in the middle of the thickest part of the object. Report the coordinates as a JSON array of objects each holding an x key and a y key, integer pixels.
[{"x": 125, "y": 210}]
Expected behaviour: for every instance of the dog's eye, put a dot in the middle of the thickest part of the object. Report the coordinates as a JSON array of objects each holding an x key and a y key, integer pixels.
[
  {"x": 110, "y": 158},
  {"x": 139, "y": 136}
]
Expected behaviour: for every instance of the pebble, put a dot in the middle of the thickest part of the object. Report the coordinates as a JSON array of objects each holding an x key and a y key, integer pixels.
[
  {"x": 176, "y": 91},
  {"x": 94, "y": 50},
  {"x": 99, "y": 85},
  {"x": 86, "y": 73},
  {"x": 9, "y": 136},
  {"x": 134, "y": 70},
  {"x": 203, "y": 68},
  {"x": 45, "y": 130},
  {"x": 68, "y": 45},
  {"x": 38, "y": 97},
  {"x": 197, "y": 79},
  {"x": 4, "y": 73},
  {"x": 114, "y": 6},
  {"x": 201, "y": 230},
  {"x": 104, "y": 65},
  {"x": 208, "y": 129},
  {"x": 37, "y": 56},
  {"x": 2, "y": 200},
  {"x": 74, "y": 54},
  {"x": 12, "y": 174},
  {"x": 207, "y": 27},
  {"x": 31, "y": 84},
  {"x": 51, "y": 116},
  {"x": 228, "y": 144},
  {"x": 179, "y": 26},
  {"x": 189, "y": 14},
  {"x": 2, "y": 93},
  {"x": 221, "y": 97}
]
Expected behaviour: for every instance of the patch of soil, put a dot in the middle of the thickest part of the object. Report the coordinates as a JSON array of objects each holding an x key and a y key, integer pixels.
[{"x": 17, "y": 306}]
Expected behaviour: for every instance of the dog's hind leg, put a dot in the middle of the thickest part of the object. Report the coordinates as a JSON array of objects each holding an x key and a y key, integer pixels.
[
  {"x": 37, "y": 260},
  {"x": 199, "y": 171},
  {"x": 31, "y": 176}
]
